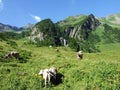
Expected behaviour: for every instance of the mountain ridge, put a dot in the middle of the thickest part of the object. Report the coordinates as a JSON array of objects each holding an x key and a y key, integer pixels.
[
  {"x": 112, "y": 20},
  {"x": 6, "y": 27}
]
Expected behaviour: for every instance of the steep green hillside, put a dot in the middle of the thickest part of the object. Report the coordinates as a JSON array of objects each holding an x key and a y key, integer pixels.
[
  {"x": 75, "y": 29},
  {"x": 99, "y": 71}
]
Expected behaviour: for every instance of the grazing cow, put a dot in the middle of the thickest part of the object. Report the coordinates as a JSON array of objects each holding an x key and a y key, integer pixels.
[
  {"x": 50, "y": 46},
  {"x": 48, "y": 75},
  {"x": 57, "y": 50},
  {"x": 53, "y": 70},
  {"x": 12, "y": 54},
  {"x": 80, "y": 55}
]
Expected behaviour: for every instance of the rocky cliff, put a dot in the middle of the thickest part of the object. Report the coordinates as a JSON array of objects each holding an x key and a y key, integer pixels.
[
  {"x": 88, "y": 24},
  {"x": 76, "y": 27}
]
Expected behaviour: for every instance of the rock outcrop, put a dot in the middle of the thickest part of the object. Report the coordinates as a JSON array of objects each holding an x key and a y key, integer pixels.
[{"x": 91, "y": 23}]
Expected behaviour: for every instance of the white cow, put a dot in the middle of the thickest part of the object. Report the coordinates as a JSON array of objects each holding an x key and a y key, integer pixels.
[
  {"x": 80, "y": 55},
  {"x": 48, "y": 74},
  {"x": 53, "y": 71}
]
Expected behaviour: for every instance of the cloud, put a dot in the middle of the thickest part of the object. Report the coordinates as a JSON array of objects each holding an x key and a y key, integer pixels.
[
  {"x": 36, "y": 18},
  {"x": 1, "y": 5}
]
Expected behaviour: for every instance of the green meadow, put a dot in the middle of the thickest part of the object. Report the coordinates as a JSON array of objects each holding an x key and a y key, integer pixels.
[{"x": 96, "y": 71}]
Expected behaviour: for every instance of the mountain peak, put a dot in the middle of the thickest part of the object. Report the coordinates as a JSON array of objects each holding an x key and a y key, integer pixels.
[{"x": 5, "y": 27}]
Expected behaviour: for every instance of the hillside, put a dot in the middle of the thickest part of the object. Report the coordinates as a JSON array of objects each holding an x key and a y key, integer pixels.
[
  {"x": 73, "y": 29},
  {"x": 112, "y": 20},
  {"x": 5, "y": 27},
  {"x": 98, "y": 70},
  {"x": 72, "y": 20},
  {"x": 94, "y": 71}
]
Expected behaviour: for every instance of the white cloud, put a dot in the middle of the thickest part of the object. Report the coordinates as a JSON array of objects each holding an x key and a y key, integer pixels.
[
  {"x": 36, "y": 18},
  {"x": 1, "y": 5}
]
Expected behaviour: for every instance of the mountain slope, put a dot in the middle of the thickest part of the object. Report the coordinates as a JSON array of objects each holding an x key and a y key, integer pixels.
[
  {"x": 4, "y": 27},
  {"x": 112, "y": 20},
  {"x": 72, "y": 20},
  {"x": 77, "y": 28},
  {"x": 96, "y": 71}
]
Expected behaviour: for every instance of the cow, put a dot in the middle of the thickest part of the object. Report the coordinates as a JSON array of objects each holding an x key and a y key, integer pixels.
[
  {"x": 49, "y": 75},
  {"x": 46, "y": 76},
  {"x": 53, "y": 70},
  {"x": 79, "y": 54},
  {"x": 57, "y": 50},
  {"x": 12, "y": 54}
]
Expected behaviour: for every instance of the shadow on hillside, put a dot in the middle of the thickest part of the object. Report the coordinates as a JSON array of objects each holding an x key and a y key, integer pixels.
[{"x": 58, "y": 79}]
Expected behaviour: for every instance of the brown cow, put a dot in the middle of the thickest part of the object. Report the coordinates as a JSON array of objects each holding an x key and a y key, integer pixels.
[{"x": 12, "y": 55}]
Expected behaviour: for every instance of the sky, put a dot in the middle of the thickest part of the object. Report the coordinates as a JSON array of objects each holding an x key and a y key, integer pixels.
[{"x": 21, "y": 12}]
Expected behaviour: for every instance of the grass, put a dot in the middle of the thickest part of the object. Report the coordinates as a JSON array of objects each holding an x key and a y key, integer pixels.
[
  {"x": 105, "y": 21},
  {"x": 73, "y": 20},
  {"x": 96, "y": 71}
]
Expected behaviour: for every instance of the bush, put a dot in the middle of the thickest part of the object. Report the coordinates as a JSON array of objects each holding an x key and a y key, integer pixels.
[
  {"x": 12, "y": 43},
  {"x": 73, "y": 44},
  {"x": 24, "y": 56}
]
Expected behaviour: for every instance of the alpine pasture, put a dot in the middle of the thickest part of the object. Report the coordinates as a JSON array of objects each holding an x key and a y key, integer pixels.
[{"x": 96, "y": 71}]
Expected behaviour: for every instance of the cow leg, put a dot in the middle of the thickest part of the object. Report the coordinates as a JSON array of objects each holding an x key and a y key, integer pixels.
[
  {"x": 45, "y": 83},
  {"x": 49, "y": 79}
]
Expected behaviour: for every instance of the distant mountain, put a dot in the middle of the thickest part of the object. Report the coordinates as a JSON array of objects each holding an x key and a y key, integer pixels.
[
  {"x": 112, "y": 20},
  {"x": 29, "y": 26},
  {"x": 5, "y": 27}
]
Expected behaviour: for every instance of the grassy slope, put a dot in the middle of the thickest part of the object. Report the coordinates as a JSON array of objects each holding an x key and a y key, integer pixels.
[
  {"x": 73, "y": 20},
  {"x": 100, "y": 71},
  {"x": 105, "y": 21}
]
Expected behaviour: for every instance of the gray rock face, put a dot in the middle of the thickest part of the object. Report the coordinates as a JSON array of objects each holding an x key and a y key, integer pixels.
[
  {"x": 35, "y": 34},
  {"x": 90, "y": 24}
]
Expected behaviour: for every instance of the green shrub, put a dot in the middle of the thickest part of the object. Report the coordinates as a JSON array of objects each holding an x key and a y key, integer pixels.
[
  {"x": 73, "y": 44},
  {"x": 12, "y": 43},
  {"x": 24, "y": 56}
]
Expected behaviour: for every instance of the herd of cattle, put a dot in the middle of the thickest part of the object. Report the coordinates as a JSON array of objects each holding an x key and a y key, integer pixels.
[{"x": 49, "y": 75}]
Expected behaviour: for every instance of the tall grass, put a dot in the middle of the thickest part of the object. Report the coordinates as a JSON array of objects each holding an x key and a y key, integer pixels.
[{"x": 96, "y": 71}]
